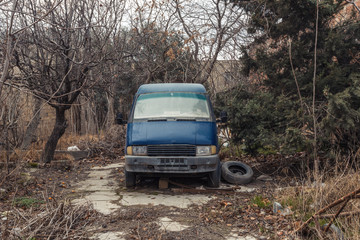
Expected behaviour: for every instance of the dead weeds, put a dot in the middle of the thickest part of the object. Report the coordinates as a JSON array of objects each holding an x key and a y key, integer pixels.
[
  {"x": 52, "y": 221},
  {"x": 247, "y": 211},
  {"x": 305, "y": 200}
]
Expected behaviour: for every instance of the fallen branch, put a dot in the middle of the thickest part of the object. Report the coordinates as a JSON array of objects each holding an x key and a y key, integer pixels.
[
  {"x": 347, "y": 197},
  {"x": 336, "y": 215},
  {"x": 203, "y": 191},
  {"x": 344, "y": 214},
  {"x": 190, "y": 189},
  {"x": 8, "y": 175},
  {"x": 180, "y": 185},
  {"x": 55, "y": 221}
]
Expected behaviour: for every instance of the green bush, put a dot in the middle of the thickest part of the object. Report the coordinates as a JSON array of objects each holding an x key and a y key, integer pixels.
[
  {"x": 341, "y": 124},
  {"x": 279, "y": 64},
  {"x": 27, "y": 202},
  {"x": 261, "y": 202},
  {"x": 264, "y": 123}
]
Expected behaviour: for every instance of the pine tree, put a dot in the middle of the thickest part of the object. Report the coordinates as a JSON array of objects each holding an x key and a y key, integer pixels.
[{"x": 282, "y": 55}]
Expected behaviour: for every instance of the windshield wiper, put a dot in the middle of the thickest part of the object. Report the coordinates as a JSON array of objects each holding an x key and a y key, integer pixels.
[
  {"x": 157, "y": 120},
  {"x": 185, "y": 119}
]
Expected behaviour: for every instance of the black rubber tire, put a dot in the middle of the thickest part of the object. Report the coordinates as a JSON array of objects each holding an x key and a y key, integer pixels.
[
  {"x": 130, "y": 179},
  {"x": 236, "y": 172},
  {"x": 214, "y": 177}
]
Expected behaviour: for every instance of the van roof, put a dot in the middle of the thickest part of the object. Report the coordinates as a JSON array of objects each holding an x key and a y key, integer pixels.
[{"x": 171, "y": 87}]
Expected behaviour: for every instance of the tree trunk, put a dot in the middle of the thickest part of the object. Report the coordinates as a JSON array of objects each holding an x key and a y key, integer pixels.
[
  {"x": 58, "y": 131},
  {"x": 30, "y": 133},
  {"x": 83, "y": 116},
  {"x": 110, "y": 116},
  {"x": 76, "y": 117}
]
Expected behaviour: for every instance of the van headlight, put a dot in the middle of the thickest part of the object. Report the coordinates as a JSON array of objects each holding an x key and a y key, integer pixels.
[
  {"x": 205, "y": 150},
  {"x": 137, "y": 150}
]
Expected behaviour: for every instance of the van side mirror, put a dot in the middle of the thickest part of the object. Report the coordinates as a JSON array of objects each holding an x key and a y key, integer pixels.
[
  {"x": 223, "y": 116},
  {"x": 119, "y": 119}
]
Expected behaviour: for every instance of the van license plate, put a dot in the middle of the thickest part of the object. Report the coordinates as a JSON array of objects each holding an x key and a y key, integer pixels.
[{"x": 173, "y": 162}]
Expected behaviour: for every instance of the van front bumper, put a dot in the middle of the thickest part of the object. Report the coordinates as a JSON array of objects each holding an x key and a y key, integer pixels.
[{"x": 186, "y": 165}]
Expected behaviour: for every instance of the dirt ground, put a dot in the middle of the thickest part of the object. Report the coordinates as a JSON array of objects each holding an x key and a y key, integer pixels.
[{"x": 238, "y": 212}]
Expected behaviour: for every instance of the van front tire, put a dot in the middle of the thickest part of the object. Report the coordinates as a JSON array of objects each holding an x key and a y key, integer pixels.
[
  {"x": 130, "y": 179},
  {"x": 214, "y": 177}
]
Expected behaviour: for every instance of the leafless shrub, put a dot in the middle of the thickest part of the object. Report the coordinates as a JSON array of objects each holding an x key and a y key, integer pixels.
[
  {"x": 116, "y": 134},
  {"x": 305, "y": 200},
  {"x": 55, "y": 221}
]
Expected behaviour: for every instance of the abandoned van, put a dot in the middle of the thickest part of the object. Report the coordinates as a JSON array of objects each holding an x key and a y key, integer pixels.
[{"x": 171, "y": 131}]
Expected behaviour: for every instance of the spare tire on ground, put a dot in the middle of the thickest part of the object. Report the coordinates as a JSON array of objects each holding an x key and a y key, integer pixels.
[{"x": 236, "y": 172}]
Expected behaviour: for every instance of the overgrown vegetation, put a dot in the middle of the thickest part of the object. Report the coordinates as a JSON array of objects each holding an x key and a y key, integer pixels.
[
  {"x": 91, "y": 71},
  {"x": 275, "y": 113},
  {"x": 304, "y": 201},
  {"x": 55, "y": 220},
  {"x": 261, "y": 201},
  {"x": 264, "y": 123}
]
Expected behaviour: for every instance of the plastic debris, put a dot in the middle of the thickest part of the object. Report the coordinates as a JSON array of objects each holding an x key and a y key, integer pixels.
[{"x": 73, "y": 148}]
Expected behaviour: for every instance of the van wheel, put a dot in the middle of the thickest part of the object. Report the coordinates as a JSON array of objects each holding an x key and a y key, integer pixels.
[
  {"x": 130, "y": 179},
  {"x": 236, "y": 172},
  {"x": 214, "y": 177}
]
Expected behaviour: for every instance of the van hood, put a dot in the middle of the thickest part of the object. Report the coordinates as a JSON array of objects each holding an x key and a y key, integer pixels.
[{"x": 171, "y": 132}]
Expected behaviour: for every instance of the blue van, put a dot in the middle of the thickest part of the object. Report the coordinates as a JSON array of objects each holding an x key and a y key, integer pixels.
[{"x": 171, "y": 131}]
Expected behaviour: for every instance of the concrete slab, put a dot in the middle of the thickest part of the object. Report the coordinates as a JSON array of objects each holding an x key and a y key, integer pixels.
[
  {"x": 103, "y": 206},
  {"x": 236, "y": 237},
  {"x": 180, "y": 201},
  {"x": 109, "y": 236},
  {"x": 99, "y": 192},
  {"x": 110, "y": 166},
  {"x": 168, "y": 224},
  {"x": 97, "y": 181}
]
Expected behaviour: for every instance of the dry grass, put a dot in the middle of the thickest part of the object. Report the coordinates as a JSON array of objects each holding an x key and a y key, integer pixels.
[
  {"x": 51, "y": 221},
  {"x": 305, "y": 200},
  {"x": 72, "y": 139},
  {"x": 113, "y": 137},
  {"x": 69, "y": 139}
]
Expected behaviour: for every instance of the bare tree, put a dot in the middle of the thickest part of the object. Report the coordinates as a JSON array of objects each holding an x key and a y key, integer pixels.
[
  {"x": 10, "y": 35},
  {"x": 9, "y": 16},
  {"x": 9, "y": 40},
  {"x": 172, "y": 41},
  {"x": 150, "y": 48},
  {"x": 30, "y": 135},
  {"x": 56, "y": 55},
  {"x": 156, "y": 45},
  {"x": 211, "y": 29}
]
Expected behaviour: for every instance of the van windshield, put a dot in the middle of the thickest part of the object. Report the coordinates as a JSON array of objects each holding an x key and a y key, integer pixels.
[{"x": 178, "y": 105}]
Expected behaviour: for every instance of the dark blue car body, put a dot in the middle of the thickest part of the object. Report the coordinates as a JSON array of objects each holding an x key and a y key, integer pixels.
[{"x": 172, "y": 146}]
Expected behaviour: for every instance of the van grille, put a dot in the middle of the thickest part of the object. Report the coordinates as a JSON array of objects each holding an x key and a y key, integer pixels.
[{"x": 171, "y": 150}]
